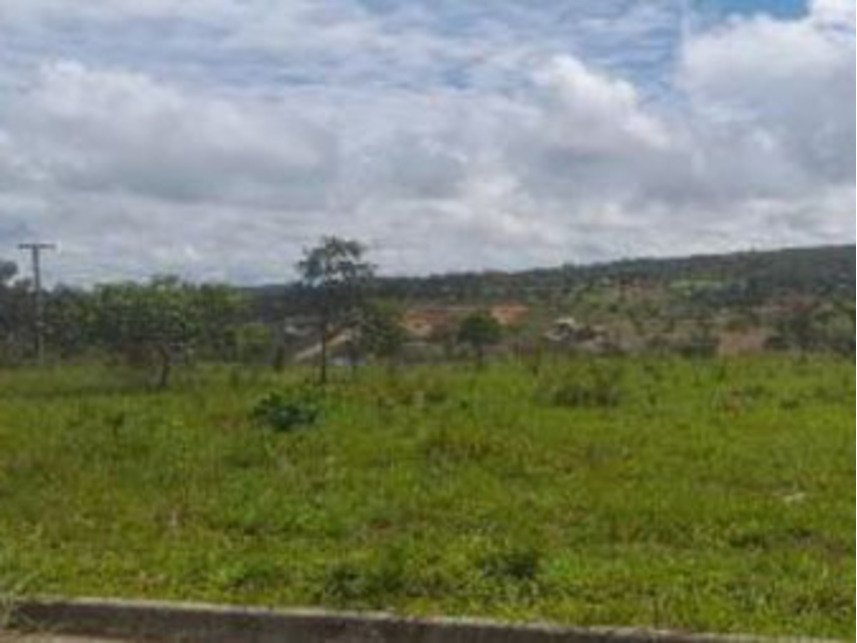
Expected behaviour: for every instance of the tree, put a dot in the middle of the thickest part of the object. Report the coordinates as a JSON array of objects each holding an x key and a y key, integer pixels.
[
  {"x": 8, "y": 270},
  {"x": 163, "y": 320},
  {"x": 219, "y": 309},
  {"x": 380, "y": 332},
  {"x": 16, "y": 313},
  {"x": 480, "y": 330},
  {"x": 334, "y": 276},
  {"x": 70, "y": 316}
]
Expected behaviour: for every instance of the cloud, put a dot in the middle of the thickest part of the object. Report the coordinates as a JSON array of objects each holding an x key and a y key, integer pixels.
[
  {"x": 788, "y": 82},
  {"x": 96, "y": 130},
  {"x": 593, "y": 112},
  {"x": 216, "y": 138},
  {"x": 838, "y": 14}
]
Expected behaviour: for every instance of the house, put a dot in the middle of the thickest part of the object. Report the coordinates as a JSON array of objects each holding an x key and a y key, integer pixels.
[{"x": 569, "y": 332}]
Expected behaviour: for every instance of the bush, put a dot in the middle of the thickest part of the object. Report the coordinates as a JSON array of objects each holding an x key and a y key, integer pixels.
[{"x": 288, "y": 410}]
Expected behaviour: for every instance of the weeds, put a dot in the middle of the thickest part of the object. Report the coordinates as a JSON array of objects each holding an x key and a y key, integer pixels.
[
  {"x": 587, "y": 494},
  {"x": 287, "y": 410},
  {"x": 515, "y": 563},
  {"x": 593, "y": 386}
]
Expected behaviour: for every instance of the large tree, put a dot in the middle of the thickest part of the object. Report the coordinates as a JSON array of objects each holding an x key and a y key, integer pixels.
[{"x": 334, "y": 275}]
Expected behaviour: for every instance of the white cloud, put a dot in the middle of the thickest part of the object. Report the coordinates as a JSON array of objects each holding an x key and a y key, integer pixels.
[
  {"x": 453, "y": 136},
  {"x": 594, "y": 112},
  {"x": 839, "y": 14},
  {"x": 787, "y": 85},
  {"x": 111, "y": 130}
]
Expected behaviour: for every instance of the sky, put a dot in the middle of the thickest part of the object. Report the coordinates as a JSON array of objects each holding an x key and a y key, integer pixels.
[{"x": 215, "y": 139}]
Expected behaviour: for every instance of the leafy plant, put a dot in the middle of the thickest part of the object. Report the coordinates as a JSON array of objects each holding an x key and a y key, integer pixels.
[{"x": 288, "y": 410}]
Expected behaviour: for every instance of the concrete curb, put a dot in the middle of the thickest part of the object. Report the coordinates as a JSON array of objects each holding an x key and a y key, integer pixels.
[{"x": 192, "y": 622}]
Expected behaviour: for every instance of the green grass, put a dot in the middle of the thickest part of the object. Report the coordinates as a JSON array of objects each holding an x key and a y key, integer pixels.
[{"x": 707, "y": 495}]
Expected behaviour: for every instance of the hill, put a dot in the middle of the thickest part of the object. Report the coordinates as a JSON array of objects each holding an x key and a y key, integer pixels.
[
  {"x": 729, "y": 303},
  {"x": 812, "y": 270}
]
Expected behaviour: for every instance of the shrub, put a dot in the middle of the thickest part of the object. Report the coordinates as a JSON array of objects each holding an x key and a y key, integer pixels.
[{"x": 288, "y": 410}]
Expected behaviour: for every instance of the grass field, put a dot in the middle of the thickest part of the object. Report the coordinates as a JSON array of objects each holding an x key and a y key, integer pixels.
[{"x": 706, "y": 495}]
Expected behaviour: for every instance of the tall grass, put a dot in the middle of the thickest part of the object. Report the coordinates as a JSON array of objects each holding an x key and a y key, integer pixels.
[{"x": 699, "y": 494}]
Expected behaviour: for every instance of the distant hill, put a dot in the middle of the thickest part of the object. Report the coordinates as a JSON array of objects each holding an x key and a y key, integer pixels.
[
  {"x": 742, "y": 302},
  {"x": 748, "y": 277}
]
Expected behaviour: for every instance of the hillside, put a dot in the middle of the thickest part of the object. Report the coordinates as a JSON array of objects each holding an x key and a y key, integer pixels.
[
  {"x": 730, "y": 303},
  {"x": 814, "y": 270},
  {"x": 819, "y": 270}
]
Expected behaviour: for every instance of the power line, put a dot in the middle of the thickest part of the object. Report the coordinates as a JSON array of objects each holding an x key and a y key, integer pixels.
[{"x": 35, "y": 249}]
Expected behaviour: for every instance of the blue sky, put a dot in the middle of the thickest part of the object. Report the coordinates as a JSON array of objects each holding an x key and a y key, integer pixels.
[
  {"x": 788, "y": 9},
  {"x": 216, "y": 138}
]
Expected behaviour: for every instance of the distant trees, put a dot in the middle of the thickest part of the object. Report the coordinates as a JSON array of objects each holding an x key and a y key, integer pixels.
[
  {"x": 480, "y": 330},
  {"x": 380, "y": 332},
  {"x": 70, "y": 321},
  {"x": 676, "y": 305},
  {"x": 334, "y": 276},
  {"x": 220, "y": 309},
  {"x": 817, "y": 327},
  {"x": 16, "y": 314},
  {"x": 162, "y": 320}
]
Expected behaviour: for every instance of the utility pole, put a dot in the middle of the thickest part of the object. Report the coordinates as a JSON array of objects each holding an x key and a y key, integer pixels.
[{"x": 35, "y": 249}]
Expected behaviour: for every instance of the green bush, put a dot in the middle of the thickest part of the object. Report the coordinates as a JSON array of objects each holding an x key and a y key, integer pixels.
[{"x": 288, "y": 410}]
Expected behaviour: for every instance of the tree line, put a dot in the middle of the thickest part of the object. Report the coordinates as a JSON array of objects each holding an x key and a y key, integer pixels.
[{"x": 166, "y": 321}]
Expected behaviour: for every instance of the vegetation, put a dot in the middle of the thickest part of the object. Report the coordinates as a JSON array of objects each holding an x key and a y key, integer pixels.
[
  {"x": 333, "y": 276},
  {"x": 607, "y": 466},
  {"x": 792, "y": 300},
  {"x": 296, "y": 407},
  {"x": 159, "y": 321},
  {"x": 712, "y": 495},
  {"x": 741, "y": 278},
  {"x": 380, "y": 330},
  {"x": 480, "y": 330}
]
